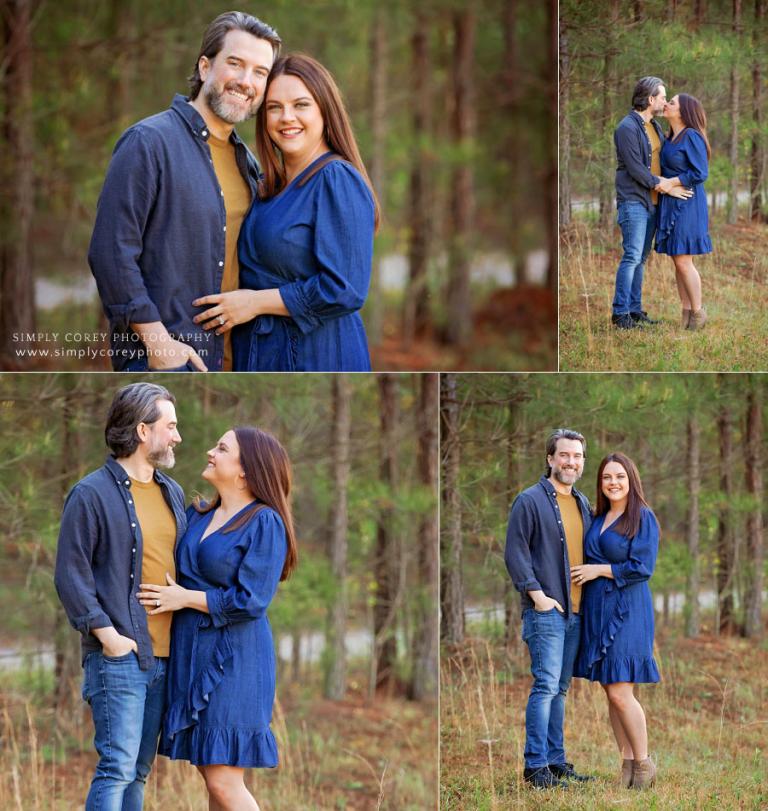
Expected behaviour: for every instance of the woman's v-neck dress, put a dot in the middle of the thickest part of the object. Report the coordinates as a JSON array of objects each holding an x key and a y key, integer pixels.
[
  {"x": 313, "y": 242},
  {"x": 617, "y": 614},
  {"x": 683, "y": 225},
  {"x": 221, "y": 672}
]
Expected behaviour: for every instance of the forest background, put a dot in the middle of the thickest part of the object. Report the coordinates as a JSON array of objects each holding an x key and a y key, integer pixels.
[
  {"x": 355, "y": 626},
  {"x": 717, "y": 51},
  {"x": 700, "y": 446},
  {"x": 454, "y": 105}
]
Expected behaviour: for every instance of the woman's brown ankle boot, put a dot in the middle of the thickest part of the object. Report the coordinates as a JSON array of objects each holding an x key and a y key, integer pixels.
[
  {"x": 698, "y": 319},
  {"x": 643, "y": 774},
  {"x": 626, "y": 772}
]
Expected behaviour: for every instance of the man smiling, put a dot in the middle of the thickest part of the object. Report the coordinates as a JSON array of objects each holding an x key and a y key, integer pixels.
[
  {"x": 177, "y": 189},
  {"x": 545, "y": 537}
]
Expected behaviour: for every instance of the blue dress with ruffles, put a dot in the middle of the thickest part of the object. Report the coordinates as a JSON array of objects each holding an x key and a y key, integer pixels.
[
  {"x": 683, "y": 225},
  {"x": 221, "y": 671},
  {"x": 314, "y": 243},
  {"x": 617, "y": 614}
]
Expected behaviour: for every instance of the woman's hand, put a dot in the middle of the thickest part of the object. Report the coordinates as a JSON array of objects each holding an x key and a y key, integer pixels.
[
  {"x": 227, "y": 310},
  {"x": 163, "y": 598},
  {"x": 680, "y": 192},
  {"x": 586, "y": 572}
]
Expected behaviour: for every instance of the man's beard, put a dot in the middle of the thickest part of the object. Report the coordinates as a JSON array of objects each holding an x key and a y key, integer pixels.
[
  {"x": 230, "y": 113},
  {"x": 162, "y": 458},
  {"x": 558, "y": 474}
]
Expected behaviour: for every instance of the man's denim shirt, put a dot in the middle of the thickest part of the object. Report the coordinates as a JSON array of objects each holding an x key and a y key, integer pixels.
[
  {"x": 633, "y": 160},
  {"x": 98, "y": 559},
  {"x": 537, "y": 553},
  {"x": 159, "y": 237}
]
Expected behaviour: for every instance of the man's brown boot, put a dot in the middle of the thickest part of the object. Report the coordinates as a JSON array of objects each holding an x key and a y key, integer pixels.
[
  {"x": 643, "y": 774},
  {"x": 626, "y": 772}
]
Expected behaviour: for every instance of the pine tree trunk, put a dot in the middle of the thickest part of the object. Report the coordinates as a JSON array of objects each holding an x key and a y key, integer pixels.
[
  {"x": 416, "y": 303},
  {"x": 692, "y": 622},
  {"x": 756, "y": 148},
  {"x": 733, "y": 199},
  {"x": 565, "y": 125},
  {"x": 452, "y": 591},
  {"x": 463, "y": 124},
  {"x": 753, "y": 626},
  {"x": 378, "y": 51},
  {"x": 550, "y": 178},
  {"x": 17, "y": 281},
  {"x": 424, "y": 682},
  {"x": 336, "y": 675},
  {"x": 386, "y": 565},
  {"x": 725, "y": 550}
]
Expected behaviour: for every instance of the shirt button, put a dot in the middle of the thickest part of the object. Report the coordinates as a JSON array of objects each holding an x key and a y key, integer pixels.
[
  {"x": 133, "y": 525},
  {"x": 129, "y": 501},
  {"x": 131, "y": 576},
  {"x": 225, "y": 227},
  {"x": 134, "y": 549},
  {"x": 222, "y": 192},
  {"x": 221, "y": 264},
  {"x": 127, "y": 483},
  {"x": 204, "y": 133}
]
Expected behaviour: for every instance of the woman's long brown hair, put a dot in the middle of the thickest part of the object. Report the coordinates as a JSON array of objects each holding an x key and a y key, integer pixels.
[
  {"x": 629, "y": 522},
  {"x": 268, "y": 476},
  {"x": 338, "y": 129},
  {"x": 694, "y": 117}
]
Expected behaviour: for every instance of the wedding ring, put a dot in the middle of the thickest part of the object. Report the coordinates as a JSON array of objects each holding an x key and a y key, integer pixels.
[
  {"x": 157, "y": 603},
  {"x": 221, "y": 320}
]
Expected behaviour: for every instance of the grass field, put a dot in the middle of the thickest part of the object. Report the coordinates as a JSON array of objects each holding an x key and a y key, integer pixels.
[
  {"x": 734, "y": 280},
  {"x": 707, "y": 729},
  {"x": 334, "y": 756}
]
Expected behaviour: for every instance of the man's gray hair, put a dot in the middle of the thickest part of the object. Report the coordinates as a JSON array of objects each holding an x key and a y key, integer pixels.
[
  {"x": 132, "y": 405},
  {"x": 647, "y": 86},
  {"x": 563, "y": 433}
]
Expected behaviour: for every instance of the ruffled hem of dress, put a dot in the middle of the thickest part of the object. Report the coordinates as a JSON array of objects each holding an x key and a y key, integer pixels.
[
  {"x": 633, "y": 669},
  {"x": 185, "y": 711},
  {"x": 599, "y": 649},
  {"x": 692, "y": 247},
  {"x": 235, "y": 746}
]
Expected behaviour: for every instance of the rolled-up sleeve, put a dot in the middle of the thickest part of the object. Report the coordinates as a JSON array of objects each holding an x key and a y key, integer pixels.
[
  {"x": 696, "y": 153},
  {"x": 517, "y": 553},
  {"x": 117, "y": 243},
  {"x": 258, "y": 575},
  {"x": 643, "y": 549},
  {"x": 73, "y": 575},
  {"x": 343, "y": 248}
]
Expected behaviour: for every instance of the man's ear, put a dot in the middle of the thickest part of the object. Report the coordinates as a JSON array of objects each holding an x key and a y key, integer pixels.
[
  {"x": 142, "y": 431},
  {"x": 203, "y": 66}
]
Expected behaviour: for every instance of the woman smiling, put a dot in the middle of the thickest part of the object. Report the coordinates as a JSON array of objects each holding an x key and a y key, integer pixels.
[
  {"x": 617, "y": 610},
  {"x": 306, "y": 246}
]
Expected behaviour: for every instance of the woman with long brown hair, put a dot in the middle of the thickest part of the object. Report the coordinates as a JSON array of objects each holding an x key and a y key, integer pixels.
[
  {"x": 617, "y": 610},
  {"x": 221, "y": 672},
  {"x": 683, "y": 224},
  {"x": 306, "y": 246}
]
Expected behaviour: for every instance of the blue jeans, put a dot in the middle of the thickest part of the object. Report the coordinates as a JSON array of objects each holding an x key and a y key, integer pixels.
[
  {"x": 638, "y": 225},
  {"x": 553, "y": 642},
  {"x": 127, "y": 705}
]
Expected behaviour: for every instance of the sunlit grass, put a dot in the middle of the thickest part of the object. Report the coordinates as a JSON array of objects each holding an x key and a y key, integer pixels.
[
  {"x": 706, "y": 720},
  {"x": 734, "y": 280}
]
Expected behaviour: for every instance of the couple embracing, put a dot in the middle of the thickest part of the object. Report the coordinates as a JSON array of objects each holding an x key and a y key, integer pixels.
[
  {"x": 207, "y": 260},
  {"x": 660, "y": 191},
  {"x": 171, "y": 602},
  {"x": 587, "y": 608}
]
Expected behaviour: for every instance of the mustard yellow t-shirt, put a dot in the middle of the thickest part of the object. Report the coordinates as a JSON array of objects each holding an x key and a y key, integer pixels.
[
  {"x": 237, "y": 199},
  {"x": 655, "y": 156},
  {"x": 573, "y": 527},
  {"x": 158, "y": 531}
]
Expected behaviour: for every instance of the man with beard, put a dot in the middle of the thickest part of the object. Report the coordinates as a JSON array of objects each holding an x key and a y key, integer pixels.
[
  {"x": 545, "y": 537},
  {"x": 638, "y": 140},
  {"x": 177, "y": 189},
  {"x": 121, "y": 523}
]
